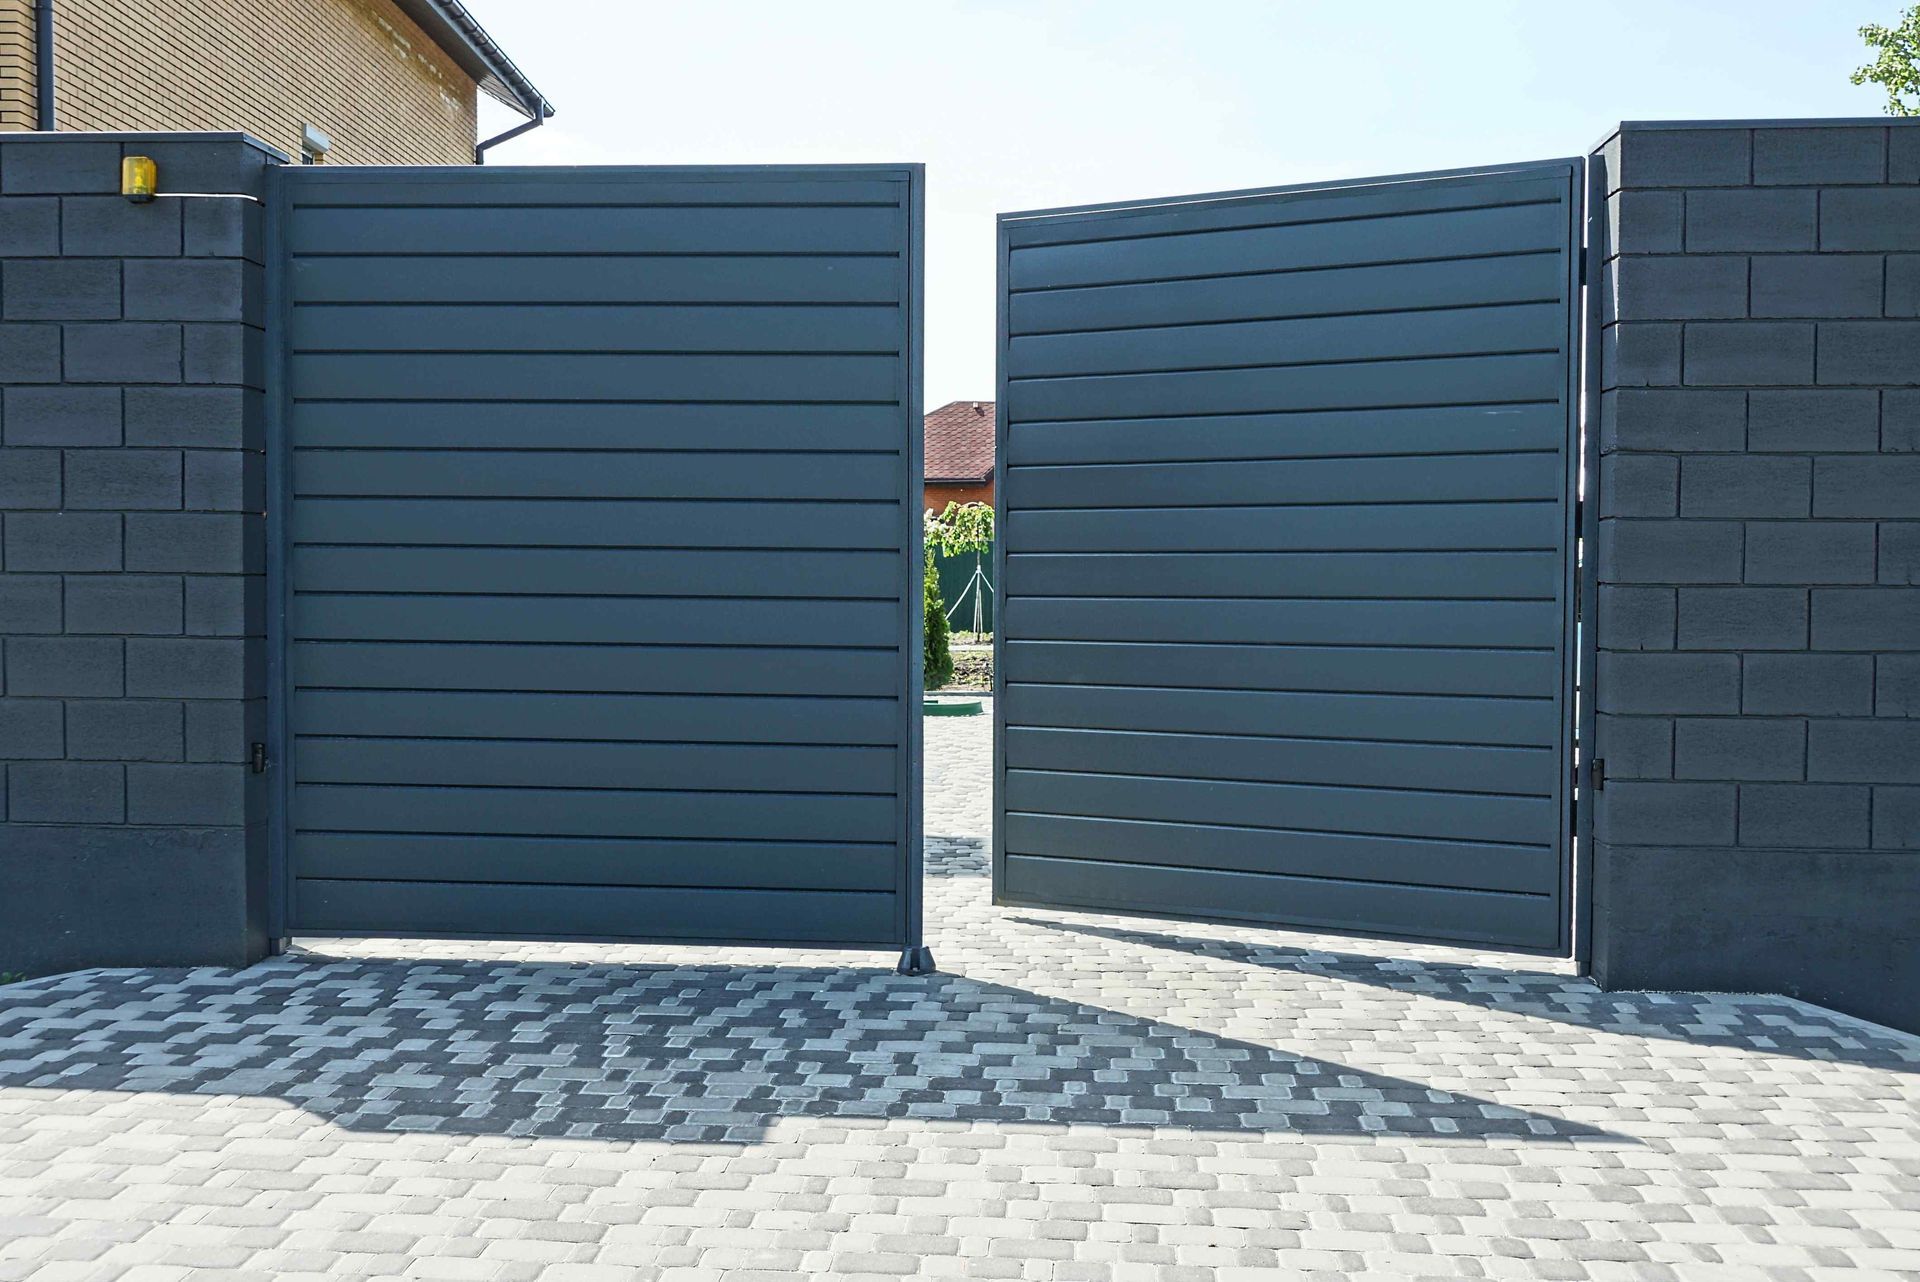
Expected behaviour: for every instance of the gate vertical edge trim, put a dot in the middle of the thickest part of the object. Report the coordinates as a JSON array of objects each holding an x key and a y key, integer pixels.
[
  {"x": 1573, "y": 591},
  {"x": 279, "y": 494},
  {"x": 1587, "y": 636},
  {"x": 911, "y": 769},
  {"x": 996, "y": 871}
]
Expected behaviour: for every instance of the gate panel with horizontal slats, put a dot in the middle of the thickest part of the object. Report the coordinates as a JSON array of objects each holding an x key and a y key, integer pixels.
[
  {"x": 600, "y": 552},
  {"x": 1286, "y": 484}
]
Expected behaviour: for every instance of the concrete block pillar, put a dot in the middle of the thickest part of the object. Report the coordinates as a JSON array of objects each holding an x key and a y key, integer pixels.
[
  {"x": 132, "y": 554},
  {"x": 1758, "y": 619}
]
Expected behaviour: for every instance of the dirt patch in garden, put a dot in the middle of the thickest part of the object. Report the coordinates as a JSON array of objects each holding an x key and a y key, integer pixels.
[{"x": 972, "y": 668}]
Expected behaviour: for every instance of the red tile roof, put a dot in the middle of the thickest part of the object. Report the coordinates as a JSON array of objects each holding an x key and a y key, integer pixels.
[{"x": 959, "y": 438}]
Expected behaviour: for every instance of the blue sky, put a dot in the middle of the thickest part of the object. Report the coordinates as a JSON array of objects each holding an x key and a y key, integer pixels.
[{"x": 1052, "y": 102}]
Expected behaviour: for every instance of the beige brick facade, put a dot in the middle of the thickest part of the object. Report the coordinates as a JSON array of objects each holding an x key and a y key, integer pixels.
[
  {"x": 360, "y": 70},
  {"x": 16, "y": 64}
]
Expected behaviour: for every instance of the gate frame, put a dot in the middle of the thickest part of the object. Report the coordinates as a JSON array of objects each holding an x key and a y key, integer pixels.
[
  {"x": 1593, "y": 264},
  {"x": 915, "y": 958},
  {"x": 279, "y": 487},
  {"x": 1581, "y": 454}
]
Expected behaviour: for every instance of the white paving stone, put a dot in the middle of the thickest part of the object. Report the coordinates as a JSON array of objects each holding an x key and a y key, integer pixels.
[{"x": 1072, "y": 1097}]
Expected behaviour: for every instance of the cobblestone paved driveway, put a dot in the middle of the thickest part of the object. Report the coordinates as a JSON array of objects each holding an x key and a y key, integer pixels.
[{"x": 1072, "y": 1097}]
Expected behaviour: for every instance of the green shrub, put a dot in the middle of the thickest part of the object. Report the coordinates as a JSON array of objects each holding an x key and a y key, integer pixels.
[{"x": 936, "y": 659}]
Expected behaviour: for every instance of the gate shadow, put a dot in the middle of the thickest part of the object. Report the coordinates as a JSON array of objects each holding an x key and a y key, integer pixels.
[
  {"x": 1772, "y": 1025},
  {"x": 687, "y": 1053}
]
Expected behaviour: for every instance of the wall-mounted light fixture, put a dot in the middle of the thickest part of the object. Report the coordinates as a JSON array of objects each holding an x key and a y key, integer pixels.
[
  {"x": 138, "y": 178},
  {"x": 314, "y": 145}
]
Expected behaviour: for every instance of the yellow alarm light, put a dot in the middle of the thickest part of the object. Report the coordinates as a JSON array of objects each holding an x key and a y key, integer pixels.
[{"x": 138, "y": 175}]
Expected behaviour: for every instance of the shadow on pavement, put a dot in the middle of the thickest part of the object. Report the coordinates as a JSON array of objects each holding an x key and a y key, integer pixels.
[
  {"x": 686, "y": 1053},
  {"x": 1775, "y": 1026},
  {"x": 955, "y": 856}
]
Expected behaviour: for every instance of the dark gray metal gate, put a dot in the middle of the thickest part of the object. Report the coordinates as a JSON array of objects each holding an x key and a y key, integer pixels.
[
  {"x": 1287, "y": 485},
  {"x": 599, "y": 540}
]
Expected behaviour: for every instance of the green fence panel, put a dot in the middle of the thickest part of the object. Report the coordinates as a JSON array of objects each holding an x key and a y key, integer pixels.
[{"x": 966, "y": 585}]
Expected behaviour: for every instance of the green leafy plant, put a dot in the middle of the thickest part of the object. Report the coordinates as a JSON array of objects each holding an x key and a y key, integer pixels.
[
  {"x": 1896, "y": 64},
  {"x": 11, "y": 976},
  {"x": 936, "y": 658},
  {"x": 963, "y": 527}
]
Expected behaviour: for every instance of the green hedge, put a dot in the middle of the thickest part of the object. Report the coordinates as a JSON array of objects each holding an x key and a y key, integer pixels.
[{"x": 937, "y": 659}]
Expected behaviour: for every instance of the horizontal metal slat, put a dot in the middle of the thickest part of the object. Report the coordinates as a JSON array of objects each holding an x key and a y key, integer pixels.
[
  {"x": 596, "y": 861},
  {"x": 656, "y": 620},
  {"x": 1414, "y": 861},
  {"x": 597, "y": 571},
  {"x": 1505, "y": 624},
  {"x": 1475, "y": 478},
  {"x": 590, "y": 426},
  {"x": 1354, "y": 527},
  {"x": 1332, "y": 202},
  {"x": 1447, "y": 768},
  {"x": 1460, "y": 233},
  {"x": 1464, "y": 429},
  {"x": 607, "y": 328},
  {"x": 610, "y": 523},
  {"x": 595, "y": 669},
  {"x": 573, "y": 229},
  {"x": 1478, "y": 380},
  {"x": 1475, "y": 331},
  {"x": 613, "y": 718},
  {"x": 549, "y": 278},
  {"x": 594, "y": 474},
  {"x": 1401, "y": 718},
  {"x": 1477, "y": 575},
  {"x": 533, "y": 812},
  {"x": 515, "y": 911},
  {"x": 541, "y": 377},
  {"x": 1325, "y": 291},
  {"x": 1366, "y": 907},
  {"x": 1384, "y": 811},
  {"x": 1354, "y": 669},
  {"x": 510, "y": 763},
  {"x": 594, "y": 186}
]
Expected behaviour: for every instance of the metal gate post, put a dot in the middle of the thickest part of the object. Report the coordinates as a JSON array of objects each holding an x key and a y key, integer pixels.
[
  {"x": 915, "y": 957},
  {"x": 279, "y": 492},
  {"x": 1594, "y": 256}
]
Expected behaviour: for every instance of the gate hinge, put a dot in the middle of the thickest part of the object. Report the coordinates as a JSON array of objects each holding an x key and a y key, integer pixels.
[
  {"x": 1599, "y": 774},
  {"x": 257, "y": 759}
]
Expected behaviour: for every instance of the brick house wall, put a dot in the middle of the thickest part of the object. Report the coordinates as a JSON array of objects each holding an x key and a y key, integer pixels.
[
  {"x": 16, "y": 64},
  {"x": 1759, "y": 551},
  {"x": 957, "y": 454},
  {"x": 132, "y": 619},
  {"x": 937, "y": 494},
  {"x": 359, "y": 69}
]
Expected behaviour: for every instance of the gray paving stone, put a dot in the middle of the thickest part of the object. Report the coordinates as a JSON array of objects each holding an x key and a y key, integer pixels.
[{"x": 1073, "y": 1096}]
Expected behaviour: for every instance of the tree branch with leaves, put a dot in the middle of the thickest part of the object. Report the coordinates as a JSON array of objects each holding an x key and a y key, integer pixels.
[
  {"x": 962, "y": 528},
  {"x": 1896, "y": 65}
]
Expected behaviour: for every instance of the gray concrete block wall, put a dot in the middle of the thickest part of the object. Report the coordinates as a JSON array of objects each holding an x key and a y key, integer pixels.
[
  {"x": 132, "y": 547},
  {"x": 1759, "y": 563}
]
